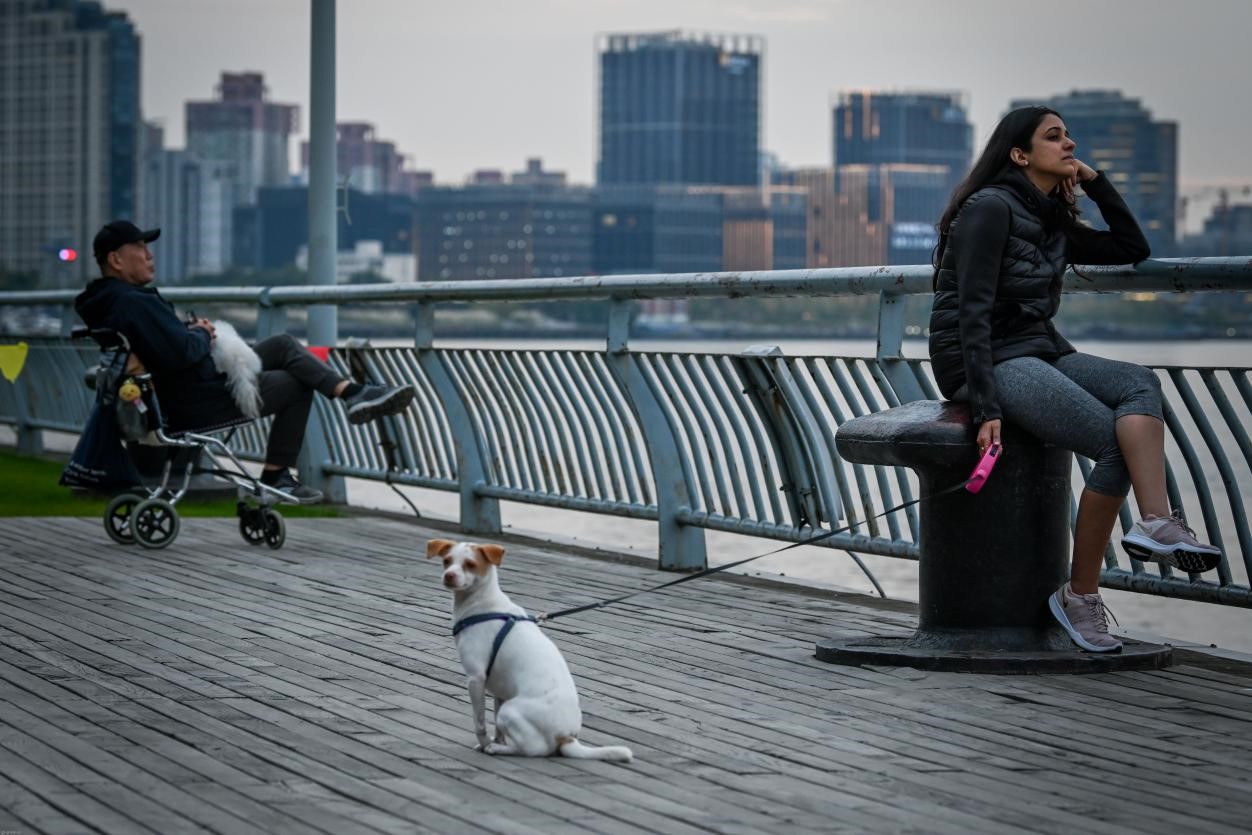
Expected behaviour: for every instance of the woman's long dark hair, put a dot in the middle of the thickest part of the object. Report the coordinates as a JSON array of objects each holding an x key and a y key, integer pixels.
[{"x": 1016, "y": 130}]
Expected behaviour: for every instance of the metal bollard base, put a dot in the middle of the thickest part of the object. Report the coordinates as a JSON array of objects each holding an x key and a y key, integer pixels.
[{"x": 926, "y": 654}]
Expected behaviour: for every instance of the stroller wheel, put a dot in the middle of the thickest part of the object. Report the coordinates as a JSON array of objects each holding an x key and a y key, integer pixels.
[
  {"x": 275, "y": 529},
  {"x": 119, "y": 517},
  {"x": 155, "y": 523},
  {"x": 251, "y": 523}
]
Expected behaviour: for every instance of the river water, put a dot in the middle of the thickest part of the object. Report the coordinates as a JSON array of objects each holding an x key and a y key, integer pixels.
[{"x": 1139, "y": 614}]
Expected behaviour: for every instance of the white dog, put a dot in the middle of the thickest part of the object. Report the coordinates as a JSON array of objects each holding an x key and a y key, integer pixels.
[
  {"x": 537, "y": 712},
  {"x": 236, "y": 359}
]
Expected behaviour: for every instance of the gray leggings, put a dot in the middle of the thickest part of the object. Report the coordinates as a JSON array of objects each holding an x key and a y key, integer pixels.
[{"x": 1074, "y": 401}]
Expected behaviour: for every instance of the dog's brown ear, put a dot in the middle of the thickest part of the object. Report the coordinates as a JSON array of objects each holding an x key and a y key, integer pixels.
[
  {"x": 492, "y": 553},
  {"x": 438, "y": 548}
]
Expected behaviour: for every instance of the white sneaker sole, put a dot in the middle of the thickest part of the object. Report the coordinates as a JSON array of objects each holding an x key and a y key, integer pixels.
[
  {"x": 1186, "y": 557},
  {"x": 1074, "y": 634}
]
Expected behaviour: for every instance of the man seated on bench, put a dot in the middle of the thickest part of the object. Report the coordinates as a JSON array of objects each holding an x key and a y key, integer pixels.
[{"x": 193, "y": 394}]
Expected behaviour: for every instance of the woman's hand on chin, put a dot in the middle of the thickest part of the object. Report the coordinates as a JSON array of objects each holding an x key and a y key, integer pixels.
[{"x": 1083, "y": 172}]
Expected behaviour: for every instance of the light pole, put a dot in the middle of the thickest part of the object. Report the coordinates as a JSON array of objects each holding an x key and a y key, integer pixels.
[{"x": 323, "y": 328}]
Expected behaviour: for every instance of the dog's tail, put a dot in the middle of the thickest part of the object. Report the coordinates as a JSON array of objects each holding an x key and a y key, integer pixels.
[
  {"x": 236, "y": 359},
  {"x": 575, "y": 750}
]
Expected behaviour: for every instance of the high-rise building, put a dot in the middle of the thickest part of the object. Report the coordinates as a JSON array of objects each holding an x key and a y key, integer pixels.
[
  {"x": 369, "y": 164},
  {"x": 270, "y": 233},
  {"x": 532, "y": 226},
  {"x": 657, "y": 229},
  {"x": 763, "y": 228},
  {"x": 245, "y": 142},
  {"x": 879, "y": 214},
  {"x": 788, "y": 209},
  {"x": 171, "y": 200},
  {"x": 898, "y": 156},
  {"x": 70, "y": 140},
  {"x": 680, "y": 108},
  {"x": 822, "y": 210},
  {"x": 1140, "y": 156},
  {"x": 908, "y": 127}
]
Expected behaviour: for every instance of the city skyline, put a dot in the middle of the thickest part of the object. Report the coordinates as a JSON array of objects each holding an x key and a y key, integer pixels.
[{"x": 506, "y": 82}]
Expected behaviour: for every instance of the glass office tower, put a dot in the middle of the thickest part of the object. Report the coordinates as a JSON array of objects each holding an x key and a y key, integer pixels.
[
  {"x": 680, "y": 108},
  {"x": 69, "y": 148}
]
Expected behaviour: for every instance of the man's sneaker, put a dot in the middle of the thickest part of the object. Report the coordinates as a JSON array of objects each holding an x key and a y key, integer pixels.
[
  {"x": 377, "y": 401},
  {"x": 1085, "y": 618},
  {"x": 285, "y": 481},
  {"x": 1168, "y": 540}
]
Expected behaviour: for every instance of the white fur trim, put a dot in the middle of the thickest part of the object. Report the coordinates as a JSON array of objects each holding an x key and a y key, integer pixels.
[{"x": 236, "y": 359}]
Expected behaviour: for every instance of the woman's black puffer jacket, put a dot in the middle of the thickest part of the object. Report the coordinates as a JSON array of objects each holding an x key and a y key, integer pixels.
[{"x": 999, "y": 281}]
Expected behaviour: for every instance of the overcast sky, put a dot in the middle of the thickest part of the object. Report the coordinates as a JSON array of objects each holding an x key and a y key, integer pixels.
[{"x": 467, "y": 84}]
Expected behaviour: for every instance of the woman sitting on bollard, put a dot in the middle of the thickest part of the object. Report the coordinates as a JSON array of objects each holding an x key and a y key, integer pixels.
[{"x": 1005, "y": 240}]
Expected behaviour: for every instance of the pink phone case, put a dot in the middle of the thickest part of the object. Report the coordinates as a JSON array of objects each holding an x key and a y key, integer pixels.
[{"x": 980, "y": 474}]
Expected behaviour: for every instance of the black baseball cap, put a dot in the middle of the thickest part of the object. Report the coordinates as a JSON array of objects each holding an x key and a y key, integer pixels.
[{"x": 113, "y": 236}]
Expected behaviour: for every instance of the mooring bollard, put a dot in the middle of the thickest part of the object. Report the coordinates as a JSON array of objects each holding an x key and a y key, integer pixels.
[{"x": 988, "y": 561}]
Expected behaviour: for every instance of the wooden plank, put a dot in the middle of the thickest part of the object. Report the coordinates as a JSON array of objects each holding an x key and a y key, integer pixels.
[
  {"x": 319, "y": 685},
  {"x": 511, "y": 828},
  {"x": 22, "y": 810}
]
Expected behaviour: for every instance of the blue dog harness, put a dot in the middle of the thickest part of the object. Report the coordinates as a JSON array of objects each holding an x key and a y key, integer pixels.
[{"x": 509, "y": 621}]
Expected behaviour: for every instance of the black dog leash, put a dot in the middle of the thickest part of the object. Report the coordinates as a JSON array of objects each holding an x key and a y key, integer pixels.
[{"x": 600, "y": 604}]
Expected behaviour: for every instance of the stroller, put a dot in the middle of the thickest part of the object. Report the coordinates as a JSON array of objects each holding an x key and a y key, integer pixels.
[{"x": 148, "y": 515}]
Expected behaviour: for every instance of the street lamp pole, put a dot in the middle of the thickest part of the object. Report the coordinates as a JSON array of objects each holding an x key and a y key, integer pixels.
[{"x": 323, "y": 325}]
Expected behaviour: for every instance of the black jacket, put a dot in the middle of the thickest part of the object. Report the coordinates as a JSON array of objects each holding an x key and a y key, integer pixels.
[
  {"x": 191, "y": 391},
  {"x": 999, "y": 283}
]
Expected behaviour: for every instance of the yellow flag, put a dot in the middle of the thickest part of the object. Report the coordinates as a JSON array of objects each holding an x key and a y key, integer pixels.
[{"x": 12, "y": 358}]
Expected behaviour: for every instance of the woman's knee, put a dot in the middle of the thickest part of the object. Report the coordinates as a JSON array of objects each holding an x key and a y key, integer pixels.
[
  {"x": 1110, "y": 475},
  {"x": 1110, "y": 483},
  {"x": 1143, "y": 394}
]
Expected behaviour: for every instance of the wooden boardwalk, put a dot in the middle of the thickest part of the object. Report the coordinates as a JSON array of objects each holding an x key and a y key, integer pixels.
[{"x": 215, "y": 687}]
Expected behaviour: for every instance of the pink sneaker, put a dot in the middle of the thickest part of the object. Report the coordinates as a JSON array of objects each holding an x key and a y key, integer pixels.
[
  {"x": 1085, "y": 618},
  {"x": 1168, "y": 540}
]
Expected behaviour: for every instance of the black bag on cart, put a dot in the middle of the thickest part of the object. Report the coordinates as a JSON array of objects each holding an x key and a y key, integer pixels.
[{"x": 100, "y": 460}]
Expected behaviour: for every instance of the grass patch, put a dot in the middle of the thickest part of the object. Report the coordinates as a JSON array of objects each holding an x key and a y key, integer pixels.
[{"x": 31, "y": 489}]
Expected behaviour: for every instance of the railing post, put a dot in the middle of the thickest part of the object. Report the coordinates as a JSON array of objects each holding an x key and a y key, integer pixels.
[
  {"x": 808, "y": 475},
  {"x": 314, "y": 453},
  {"x": 29, "y": 438},
  {"x": 680, "y": 547},
  {"x": 479, "y": 514},
  {"x": 890, "y": 353},
  {"x": 619, "y": 326},
  {"x": 271, "y": 319},
  {"x": 69, "y": 319},
  {"x": 318, "y": 447},
  {"x": 424, "y": 325}
]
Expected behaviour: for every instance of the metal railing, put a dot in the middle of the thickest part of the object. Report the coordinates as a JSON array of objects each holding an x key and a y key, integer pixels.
[{"x": 742, "y": 443}]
